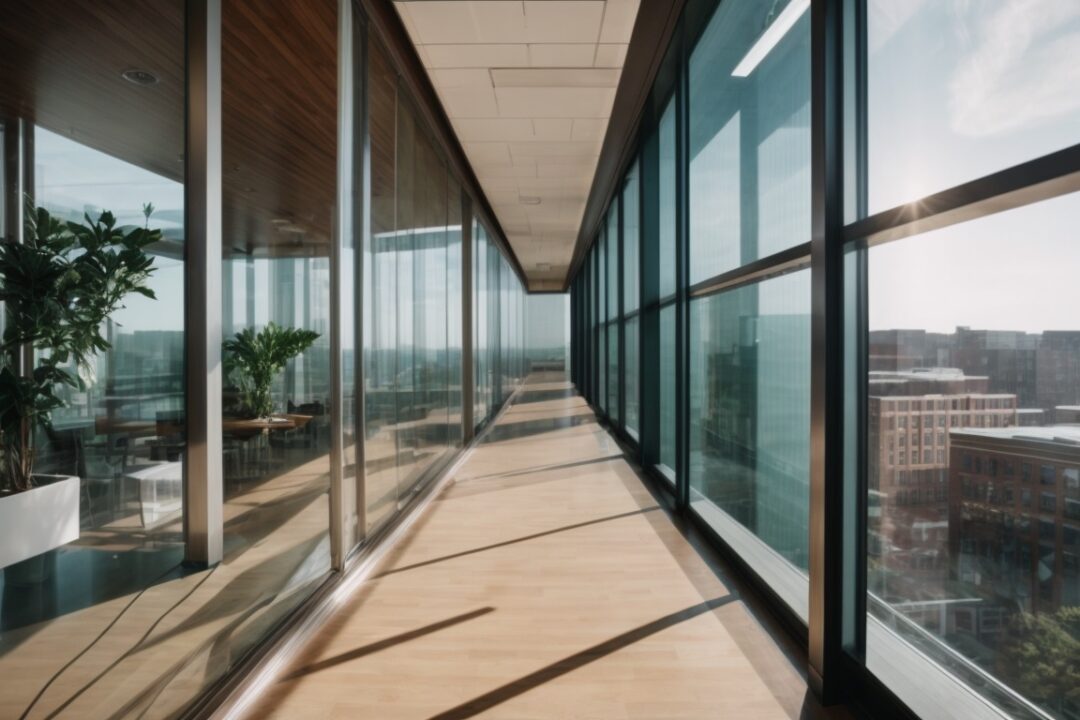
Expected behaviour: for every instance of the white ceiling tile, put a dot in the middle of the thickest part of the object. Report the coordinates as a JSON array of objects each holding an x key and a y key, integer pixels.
[
  {"x": 461, "y": 77},
  {"x": 562, "y": 54},
  {"x": 563, "y": 21},
  {"x": 439, "y": 22},
  {"x": 610, "y": 55},
  {"x": 584, "y": 158},
  {"x": 503, "y": 173},
  {"x": 555, "y": 102},
  {"x": 494, "y": 129},
  {"x": 555, "y": 77},
  {"x": 619, "y": 16},
  {"x": 406, "y": 20},
  {"x": 588, "y": 129},
  {"x": 501, "y": 197},
  {"x": 424, "y": 59},
  {"x": 477, "y": 56},
  {"x": 565, "y": 171},
  {"x": 488, "y": 153},
  {"x": 528, "y": 86},
  {"x": 465, "y": 102},
  {"x": 552, "y": 129},
  {"x": 552, "y": 149}
]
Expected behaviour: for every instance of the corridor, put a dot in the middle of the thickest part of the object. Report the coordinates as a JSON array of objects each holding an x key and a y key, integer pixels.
[{"x": 545, "y": 580}]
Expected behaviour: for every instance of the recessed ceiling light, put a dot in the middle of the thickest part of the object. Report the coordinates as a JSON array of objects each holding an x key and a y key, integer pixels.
[
  {"x": 528, "y": 199},
  {"x": 140, "y": 77}
]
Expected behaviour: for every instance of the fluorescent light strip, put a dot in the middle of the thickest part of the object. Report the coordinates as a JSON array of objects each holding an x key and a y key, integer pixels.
[{"x": 771, "y": 37}]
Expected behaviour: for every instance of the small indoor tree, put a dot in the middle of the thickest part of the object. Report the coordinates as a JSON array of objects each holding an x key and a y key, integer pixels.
[
  {"x": 58, "y": 287},
  {"x": 253, "y": 360}
]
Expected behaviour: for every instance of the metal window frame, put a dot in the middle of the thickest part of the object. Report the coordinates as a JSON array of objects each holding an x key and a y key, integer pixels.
[{"x": 203, "y": 519}]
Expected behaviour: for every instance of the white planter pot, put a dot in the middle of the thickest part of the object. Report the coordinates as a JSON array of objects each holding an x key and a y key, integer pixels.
[{"x": 39, "y": 519}]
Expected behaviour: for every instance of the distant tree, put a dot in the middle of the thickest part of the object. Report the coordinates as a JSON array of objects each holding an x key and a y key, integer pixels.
[{"x": 1040, "y": 657}]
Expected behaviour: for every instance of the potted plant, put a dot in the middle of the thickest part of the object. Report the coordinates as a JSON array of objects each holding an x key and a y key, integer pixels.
[
  {"x": 253, "y": 360},
  {"x": 58, "y": 287}
]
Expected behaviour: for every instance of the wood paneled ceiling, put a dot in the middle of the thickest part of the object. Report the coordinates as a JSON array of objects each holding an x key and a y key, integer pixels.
[
  {"x": 528, "y": 86},
  {"x": 61, "y": 65}
]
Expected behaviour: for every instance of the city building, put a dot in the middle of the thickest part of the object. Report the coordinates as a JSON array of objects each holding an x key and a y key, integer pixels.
[
  {"x": 910, "y": 416},
  {"x": 539, "y": 359},
  {"x": 1014, "y": 522}
]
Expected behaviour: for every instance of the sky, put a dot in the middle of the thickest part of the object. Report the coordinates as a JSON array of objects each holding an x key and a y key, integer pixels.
[{"x": 961, "y": 89}]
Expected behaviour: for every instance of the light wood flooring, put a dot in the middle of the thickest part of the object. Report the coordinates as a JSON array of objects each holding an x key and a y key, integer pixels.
[{"x": 545, "y": 581}]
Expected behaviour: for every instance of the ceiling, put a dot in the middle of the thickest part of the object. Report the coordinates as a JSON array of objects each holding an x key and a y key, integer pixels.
[
  {"x": 528, "y": 86},
  {"x": 62, "y": 62}
]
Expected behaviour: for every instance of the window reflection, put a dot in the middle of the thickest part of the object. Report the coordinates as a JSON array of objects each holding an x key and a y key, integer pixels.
[
  {"x": 750, "y": 422},
  {"x": 749, "y": 137},
  {"x": 974, "y": 453}
]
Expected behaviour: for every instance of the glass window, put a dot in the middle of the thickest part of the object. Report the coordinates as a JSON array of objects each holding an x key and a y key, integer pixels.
[
  {"x": 631, "y": 239},
  {"x": 668, "y": 201},
  {"x": 631, "y": 290},
  {"x": 612, "y": 248},
  {"x": 1003, "y": 322},
  {"x": 97, "y": 521},
  {"x": 960, "y": 90},
  {"x": 632, "y": 374},
  {"x": 749, "y": 142},
  {"x": 667, "y": 388},
  {"x": 750, "y": 425},
  {"x": 277, "y": 127}
]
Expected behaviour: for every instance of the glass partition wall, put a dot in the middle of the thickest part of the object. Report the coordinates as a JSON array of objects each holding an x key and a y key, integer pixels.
[
  {"x": 847, "y": 342},
  {"x": 339, "y": 341}
]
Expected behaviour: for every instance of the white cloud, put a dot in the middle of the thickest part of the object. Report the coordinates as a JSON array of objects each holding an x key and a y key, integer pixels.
[{"x": 1021, "y": 67}]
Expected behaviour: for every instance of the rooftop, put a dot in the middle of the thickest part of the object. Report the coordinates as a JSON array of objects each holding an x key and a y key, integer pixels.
[{"x": 1057, "y": 434}]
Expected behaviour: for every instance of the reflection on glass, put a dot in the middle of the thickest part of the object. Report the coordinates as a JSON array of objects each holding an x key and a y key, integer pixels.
[
  {"x": 631, "y": 240},
  {"x": 611, "y": 263},
  {"x": 116, "y": 447},
  {"x": 974, "y": 455},
  {"x": 749, "y": 141},
  {"x": 631, "y": 290},
  {"x": 547, "y": 333},
  {"x": 960, "y": 90},
  {"x": 455, "y": 378},
  {"x": 277, "y": 127},
  {"x": 413, "y": 273},
  {"x": 750, "y": 423},
  {"x": 667, "y": 389},
  {"x": 633, "y": 418},
  {"x": 666, "y": 187}
]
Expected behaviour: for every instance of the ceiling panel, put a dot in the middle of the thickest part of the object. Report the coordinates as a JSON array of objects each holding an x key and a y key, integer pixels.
[{"x": 528, "y": 86}]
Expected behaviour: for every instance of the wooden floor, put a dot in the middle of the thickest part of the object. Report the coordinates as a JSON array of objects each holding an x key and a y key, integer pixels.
[{"x": 544, "y": 582}]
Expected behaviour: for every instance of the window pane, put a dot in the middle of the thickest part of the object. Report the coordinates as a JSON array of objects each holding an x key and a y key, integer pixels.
[
  {"x": 98, "y": 524},
  {"x": 750, "y": 425},
  {"x": 601, "y": 362},
  {"x": 960, "y": 90},
  {"x": 602, "y": 278},
  {"x": 613, "y": 371},
  {"x": 749, "y": 135},
  {"x": 632, "y": 418},
  {"x": 667, "y": 388},
  {"x": 974, "y": 455},
  {"x": 631, "y": 240},
  {"x": 668, "y": 200},
  {"x": 612, "y": 247}
]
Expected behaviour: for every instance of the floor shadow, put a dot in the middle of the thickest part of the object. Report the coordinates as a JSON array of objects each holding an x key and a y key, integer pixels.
[
  {"x": 386, "y": 643},
  {"x": 570, "y": 663},
  {"x": 507, "y": 429},
  {"x": 542, "y": 468},
  {"x": 532, "y": 396},
  {"x": 515, "y": 541}
]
